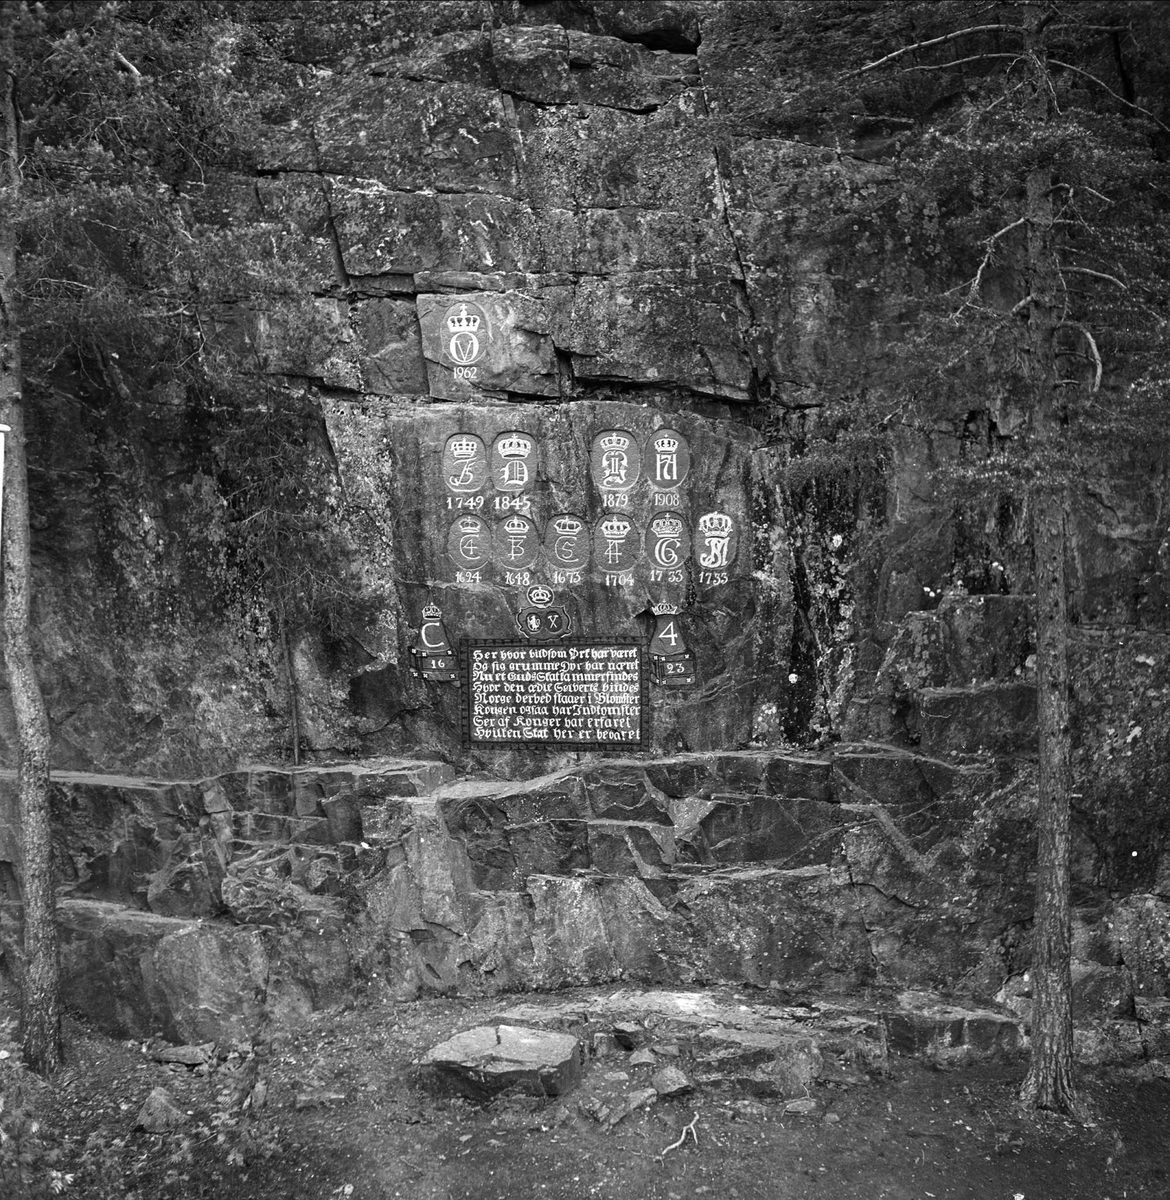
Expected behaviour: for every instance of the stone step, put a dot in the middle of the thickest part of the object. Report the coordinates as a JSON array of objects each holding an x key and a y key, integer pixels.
[
  {"x": 722, "y": 1037},
  {"x": 130, "y": 836}
]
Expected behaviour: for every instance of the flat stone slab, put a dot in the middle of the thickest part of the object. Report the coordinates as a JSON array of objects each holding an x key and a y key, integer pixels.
[
  {"x": 930, "y": 1027},
  {"x": 491, "y": 1058}
]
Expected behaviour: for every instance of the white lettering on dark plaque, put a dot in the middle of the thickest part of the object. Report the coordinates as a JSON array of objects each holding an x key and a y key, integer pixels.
[{"x": 564, "y": 694}]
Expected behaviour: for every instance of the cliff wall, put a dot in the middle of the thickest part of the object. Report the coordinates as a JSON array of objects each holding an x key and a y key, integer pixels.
[{"x": 527, "y": 236}]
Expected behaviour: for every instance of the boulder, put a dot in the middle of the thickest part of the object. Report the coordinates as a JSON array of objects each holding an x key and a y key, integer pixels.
[
  {"x": 671, "y": 1081},
  {"x": 159, "y": 1113},
  {"x": 107, "y": 952},
  {"x": 929, "y": 1026},
  {"x": 764, "y": 1063},
  {"x": 490, "y": 1058},
  {"x": 214, "y": 979}
]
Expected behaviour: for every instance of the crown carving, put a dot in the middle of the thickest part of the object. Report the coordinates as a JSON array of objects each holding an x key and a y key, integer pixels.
[
  {"x": 615, "y": 528},
  {"x": 667, "y": 527},
  {"x": 462, "y": 321},
  {"x": 665, "y": 443},
  {"x": 432, "y": 612},
  {"x": 516, "y": 525},
  {"x": 540, "y": 596},
  {"x": 515, "y": 445},
  {"x": 716, "y": 523},
  {"x": 464, "y": 447},
  {"x": 664, "y": 609},
  {"x": 567, "y": 526},
  {"x": 469, "y": 525},
  {"x": 615, "y": 441}
]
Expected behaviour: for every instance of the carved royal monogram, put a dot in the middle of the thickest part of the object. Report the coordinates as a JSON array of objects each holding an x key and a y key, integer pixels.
[
  {"x": 715, "y": 542},
  {"x": 615, "y": 460},
  {"x": 668, "y": 459},
  {"x": 566, "y": 543},
  {"x": 465, "y": 468},
  {"x": 615, "y": 543},
  {"x": 515, "y": 543},
  {"x": 465, "y": 334},
  {"x": 668, "y": 544},
  {"x": 469, "y": 542},
  {"x": 513, "y": 461}
]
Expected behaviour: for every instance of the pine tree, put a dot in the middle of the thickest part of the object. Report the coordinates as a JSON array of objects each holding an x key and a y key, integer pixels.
[
  {"x": 40, "y": 999},
  {"x": 1006, "y": 163},
  {"x": 124, "y": 109}
]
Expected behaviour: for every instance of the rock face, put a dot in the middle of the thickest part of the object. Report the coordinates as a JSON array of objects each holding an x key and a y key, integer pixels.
[
  {"x": 867, "y": 868},
  {"x": 550, "y": 228},
  {"x": 549, "y": 320}
]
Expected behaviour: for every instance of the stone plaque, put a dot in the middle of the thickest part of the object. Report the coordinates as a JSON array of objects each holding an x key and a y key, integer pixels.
[
  {"x": 615, "y": 461},
  {"x": 465, "y": 467},
  {"x": 566, "y": 543},
  {"x": 513, "y": 461},
  {"x": 668, "y": 459},
  {"x": 494, "y": 341},
  {"x": 588, "y": 694},
  {"x": 715, "y": 543},
  {"x": 516, "y": 543},
  {"x": 615, "y": 543},
  {"x": 469, "y": 542},
  {"x": 668, "y": 544}
]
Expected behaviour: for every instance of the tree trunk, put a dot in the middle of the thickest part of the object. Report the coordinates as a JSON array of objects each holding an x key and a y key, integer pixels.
[
  {"x": 1049, "y": 1082},
  {"x": 40, "y": 997}
]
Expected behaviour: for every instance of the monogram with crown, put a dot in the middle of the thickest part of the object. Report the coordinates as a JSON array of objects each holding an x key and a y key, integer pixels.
[
  {"x": 716, "y": 541},
  {"x": 566, "y": 547},
  {"x": 616, "y": 461},
  {"x": 465, "y": 465},
  {"x": 642, "y": 538},
  {"x": 516, "y": 543},
  {"x": 465, "y": 326},
  {"x": 513, "y": 462}
]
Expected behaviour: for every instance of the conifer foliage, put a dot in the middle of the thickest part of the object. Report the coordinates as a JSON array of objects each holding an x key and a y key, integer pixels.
[
  {"x": 1005, "y": 165},
  {"x": 115, "y": 118}
]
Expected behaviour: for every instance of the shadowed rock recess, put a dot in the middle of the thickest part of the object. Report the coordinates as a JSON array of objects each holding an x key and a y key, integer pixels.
[{"x": 520, "y": 238}]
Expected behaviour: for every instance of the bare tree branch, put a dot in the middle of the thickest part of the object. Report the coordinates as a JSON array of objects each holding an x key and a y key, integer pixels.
[
  {"x": 977, "y": 282},
  {"x": 1116, "y": 95},
  {"x": 938, "y": 41},
  {"x": 958, "y": 62},
  {"x": 1099, "y": 368},
  {"x": 123, "y": 61},
  {"x": 1099, "y": 275}
]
